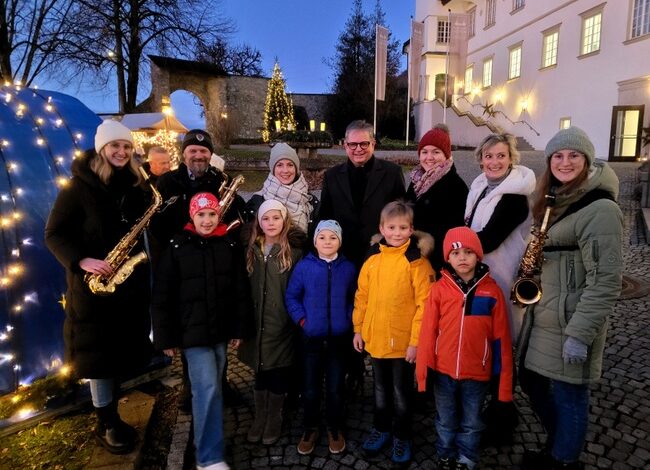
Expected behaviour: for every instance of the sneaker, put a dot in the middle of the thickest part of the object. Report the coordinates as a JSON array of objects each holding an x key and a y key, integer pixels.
[
  {"x": 446, "y": 464},
  {"x": 307, "y": 442},
  {"x": 401, "y": 452},
  {"x": 336, "y": 442},
  {"x": 375, "y": 442},
  {"x": 214, "y": 466}
]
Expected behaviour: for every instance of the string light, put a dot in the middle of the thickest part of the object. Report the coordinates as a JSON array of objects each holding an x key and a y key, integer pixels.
[
  {"x": 58, "y": 122},
  {"x": 62, "y": 181},
  {"x": 40, "y": 141}
]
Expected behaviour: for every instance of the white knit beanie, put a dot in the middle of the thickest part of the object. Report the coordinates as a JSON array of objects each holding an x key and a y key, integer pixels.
[
  {"x": 110, "y": 130},
  {"x": 281, "y": 151},
  {"x": 271, "y": 205}
]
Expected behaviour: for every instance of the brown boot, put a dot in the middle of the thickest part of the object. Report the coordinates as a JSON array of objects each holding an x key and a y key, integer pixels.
[
  {"x": 261, "y": 405},
  {"x": 273, "y": 427}
]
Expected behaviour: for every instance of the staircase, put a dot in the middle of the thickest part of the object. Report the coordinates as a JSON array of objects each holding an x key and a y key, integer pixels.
[{"x": 522, "y": 144}]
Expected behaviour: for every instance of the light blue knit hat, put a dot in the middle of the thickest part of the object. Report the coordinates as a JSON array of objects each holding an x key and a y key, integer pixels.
[{"x": 332, "y": 226}]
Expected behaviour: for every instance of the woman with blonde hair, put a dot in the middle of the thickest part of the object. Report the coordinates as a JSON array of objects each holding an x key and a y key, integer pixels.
[
  {"x": 498, "y": 211},
  {"x": 106, "y": 336}
]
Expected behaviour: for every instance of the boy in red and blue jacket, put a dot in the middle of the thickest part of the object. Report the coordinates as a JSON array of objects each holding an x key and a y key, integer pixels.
[{"x": 464, "y": 339}]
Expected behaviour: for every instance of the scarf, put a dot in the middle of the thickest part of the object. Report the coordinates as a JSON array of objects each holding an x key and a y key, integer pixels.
[
  {"x": 219, "y": 231},
  {"x": 423, "y": 180},
  {"x": 294, "y": 196}
]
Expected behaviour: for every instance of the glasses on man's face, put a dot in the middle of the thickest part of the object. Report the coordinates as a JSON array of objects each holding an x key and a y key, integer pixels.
[{"x": 353, "y": 145}]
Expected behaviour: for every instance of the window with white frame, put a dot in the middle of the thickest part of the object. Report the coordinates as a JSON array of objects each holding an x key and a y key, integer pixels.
[
  {"x": 487, "y": 72},
  {"x": 514, "y": 65},
  {"x": 443, "y": 30},
  {"x": 517, "y": 4},
  {"x": 471, "y": 30},
  {"x": 469, "y": 77},
  {"x": 591, "y": 25},
  {"x": 490, "y": 12},
  {"x": 640, "y": 18},
  {"x": 565, "y": 122},
  {"x": 549, "y": 47}
]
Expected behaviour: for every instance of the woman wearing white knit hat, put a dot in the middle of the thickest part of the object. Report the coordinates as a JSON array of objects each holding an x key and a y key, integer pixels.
[{"x": 106, "y": 337}]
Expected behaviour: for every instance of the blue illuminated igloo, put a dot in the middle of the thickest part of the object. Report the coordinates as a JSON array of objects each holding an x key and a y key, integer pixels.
[{"x": 40, "y": 133}]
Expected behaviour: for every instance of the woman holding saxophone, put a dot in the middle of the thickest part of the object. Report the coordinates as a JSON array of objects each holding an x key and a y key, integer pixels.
[
  {"x": 563, "y": 336},
  {"x": 497, "y": 210},
  {"x": 106, "y": 336}
]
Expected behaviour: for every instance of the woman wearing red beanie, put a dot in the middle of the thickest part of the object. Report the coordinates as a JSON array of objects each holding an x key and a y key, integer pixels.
[{"x": 437, "y": 192}]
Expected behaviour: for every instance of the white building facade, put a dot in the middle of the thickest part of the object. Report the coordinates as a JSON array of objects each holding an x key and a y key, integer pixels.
[{"x": 533, "y": 67}]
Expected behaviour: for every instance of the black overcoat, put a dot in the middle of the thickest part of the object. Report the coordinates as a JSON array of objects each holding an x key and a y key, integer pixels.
[
  {"x": 105, "y": 336},
  {"x": 440, "y": 208},
  {"x": 385, "y": 184}
]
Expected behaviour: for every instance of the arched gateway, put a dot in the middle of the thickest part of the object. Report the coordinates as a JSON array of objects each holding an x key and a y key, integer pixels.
[{"x": 231, "y": 101}]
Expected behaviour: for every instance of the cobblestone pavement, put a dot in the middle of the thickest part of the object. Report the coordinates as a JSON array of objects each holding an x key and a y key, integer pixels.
[{"x": 619, "y": 430}]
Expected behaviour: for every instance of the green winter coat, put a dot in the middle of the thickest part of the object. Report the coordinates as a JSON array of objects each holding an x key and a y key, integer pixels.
[
  {"x": 271, "y": 341},
  {"x": 581, "y": 280}
]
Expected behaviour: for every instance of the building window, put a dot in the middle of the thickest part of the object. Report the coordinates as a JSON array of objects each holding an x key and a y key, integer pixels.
[
  {"x": 487, "y": 73},
  {"x": 549, "y": 48},
  {"x": 469, "y": 77},
  {"x": 517, "y": 4},
  {"x": 640, "y": 18},
  {"x": 471, "y": 30},
  {"x": 565, "y": 122},
  {"x": 443, "y": 30},
  {"x": 514, "y": 69},
  {"x": 591, "y": 33},
  {"x": 490, "y": 12}
]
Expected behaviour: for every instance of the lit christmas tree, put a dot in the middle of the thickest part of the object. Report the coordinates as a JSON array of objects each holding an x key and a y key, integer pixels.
[{"x": 278, "y": 109}]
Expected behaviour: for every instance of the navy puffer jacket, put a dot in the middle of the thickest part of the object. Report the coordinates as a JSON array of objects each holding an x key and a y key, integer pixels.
[{"x": 322, "y": 294}]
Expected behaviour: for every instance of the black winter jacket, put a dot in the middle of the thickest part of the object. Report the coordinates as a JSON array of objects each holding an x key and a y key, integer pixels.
[
  {"x": 442, "y": 207},
  {"x": 201, "y": 295},
  {"x": 105, "y": 336}
]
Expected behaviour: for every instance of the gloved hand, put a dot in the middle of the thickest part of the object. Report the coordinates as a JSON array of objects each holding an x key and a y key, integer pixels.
[{"x": 574, "y": 351}]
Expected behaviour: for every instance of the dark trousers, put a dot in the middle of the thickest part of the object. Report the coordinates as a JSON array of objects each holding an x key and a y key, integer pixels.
[
  {"x": 324, "y": 357},
  {"x": 274, "y": 380},
  {"x": 393, "y": 396}
]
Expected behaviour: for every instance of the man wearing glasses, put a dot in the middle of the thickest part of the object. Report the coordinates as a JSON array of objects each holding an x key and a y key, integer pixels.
[{"x": 355, "y": 192}]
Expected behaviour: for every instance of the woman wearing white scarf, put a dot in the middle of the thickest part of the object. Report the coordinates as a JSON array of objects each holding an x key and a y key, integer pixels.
[{"x": 286, "y": 184}]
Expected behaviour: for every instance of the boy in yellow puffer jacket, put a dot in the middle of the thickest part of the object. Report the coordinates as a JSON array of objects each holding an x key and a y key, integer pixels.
[{"x": 388, "y": 307}]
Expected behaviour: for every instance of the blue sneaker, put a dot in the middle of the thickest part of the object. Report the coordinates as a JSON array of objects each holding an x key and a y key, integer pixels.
[
  {"x": 401, "y": 453},
  {"x": 375, "y": 442}
]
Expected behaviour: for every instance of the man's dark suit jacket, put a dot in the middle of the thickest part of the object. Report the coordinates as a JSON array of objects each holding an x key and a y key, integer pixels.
[{"x": 385, "y": 184}]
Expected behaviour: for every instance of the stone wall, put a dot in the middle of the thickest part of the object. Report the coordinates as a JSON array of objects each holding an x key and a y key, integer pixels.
[{"x": 315, "y": 105}]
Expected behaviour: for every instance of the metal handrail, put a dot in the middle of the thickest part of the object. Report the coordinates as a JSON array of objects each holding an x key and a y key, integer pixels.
[{"x": 480, "y": 105}]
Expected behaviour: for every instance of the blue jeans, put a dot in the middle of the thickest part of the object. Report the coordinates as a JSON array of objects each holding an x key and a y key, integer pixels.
[
  {"x": 563, "y": 409},
  {"x": 324, "y": 357},
  {"x": 393, "y": 396},
  {"x": 101, "y": 392},
  {"x": 458, "y": 419},
  {"x": 205, "y": 367}
]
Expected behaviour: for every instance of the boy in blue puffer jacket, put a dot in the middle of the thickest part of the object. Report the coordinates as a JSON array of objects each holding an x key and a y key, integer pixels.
[{"x": 320, "y": 299}]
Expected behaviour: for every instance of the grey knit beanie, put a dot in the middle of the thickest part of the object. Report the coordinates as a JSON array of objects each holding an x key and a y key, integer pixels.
[
  {"x": 572, "y": 138},
  {"x": 281, "y": 151}
]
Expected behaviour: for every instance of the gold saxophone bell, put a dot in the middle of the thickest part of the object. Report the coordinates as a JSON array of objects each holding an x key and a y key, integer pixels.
[{"x": 527, "y": 290}]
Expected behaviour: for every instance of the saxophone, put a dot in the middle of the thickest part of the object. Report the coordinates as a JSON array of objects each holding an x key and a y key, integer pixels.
[
  {"x": 226, "y": 196},
  {"x": 527, "y": 290},
  {"x": 119, "y": 260}
]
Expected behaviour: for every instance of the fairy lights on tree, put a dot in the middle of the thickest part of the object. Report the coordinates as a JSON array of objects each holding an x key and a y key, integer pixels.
[{"x": 278, "y": 108}]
